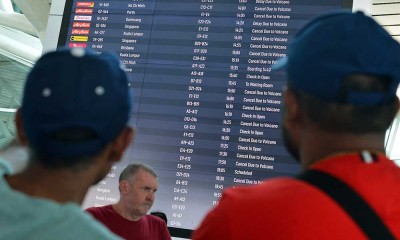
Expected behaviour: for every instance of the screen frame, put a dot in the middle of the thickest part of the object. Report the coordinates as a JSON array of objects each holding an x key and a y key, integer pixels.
[{"x": 59, "y": 8}]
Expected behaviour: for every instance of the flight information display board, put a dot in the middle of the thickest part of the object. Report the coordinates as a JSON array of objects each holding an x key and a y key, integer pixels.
[{"x": 207, "y": 106}]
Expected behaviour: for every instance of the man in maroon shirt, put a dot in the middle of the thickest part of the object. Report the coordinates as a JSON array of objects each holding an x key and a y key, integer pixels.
[{"x": 128, "y": 217}]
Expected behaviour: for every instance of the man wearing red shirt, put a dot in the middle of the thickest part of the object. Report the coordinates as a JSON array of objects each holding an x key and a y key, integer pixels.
[
  {"x": 343, "y": 70},
  {"x": 128, "y": 217}
]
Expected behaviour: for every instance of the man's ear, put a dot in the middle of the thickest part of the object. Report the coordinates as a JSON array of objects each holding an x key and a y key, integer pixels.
[
  {"x": 123, "y": 186},
  {"x": 292, "y": 108},
  {"x": 20, "y": 129},
  {"x": 120, "y": 144}
]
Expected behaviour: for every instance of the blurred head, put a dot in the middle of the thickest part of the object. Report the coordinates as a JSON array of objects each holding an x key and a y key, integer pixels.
[
  {"x": 343, "y": 72},
  {"x": 75, "y": 103},
  {"x": 138, "y": 185}
]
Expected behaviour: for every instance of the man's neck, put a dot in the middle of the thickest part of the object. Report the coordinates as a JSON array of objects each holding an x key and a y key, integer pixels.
[
  {"x": 122, "y": 210},
  {"x": 320, "y": 145}
]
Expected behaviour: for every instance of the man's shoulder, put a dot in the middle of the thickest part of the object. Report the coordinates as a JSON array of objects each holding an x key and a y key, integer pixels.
[
  {"x": 83, "y": 224},
  {"x": 275, "y": 195},
  {"x": 153, "y": 219},
  {"x": 101, "y": 210},
  {"x": 158, "y": 225},
  {"x": 264, "y": 206},
  {"x": 38, "y": 215},
  {"x": 276, "y": 188},
  {"x": 106, "y": 215}
]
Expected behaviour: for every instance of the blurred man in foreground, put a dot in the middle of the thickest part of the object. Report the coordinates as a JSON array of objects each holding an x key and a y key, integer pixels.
[
  {"x": 128, "y": 217},
  {"x": 73, "y": 118},
  {"x": 343, "y": 70}
]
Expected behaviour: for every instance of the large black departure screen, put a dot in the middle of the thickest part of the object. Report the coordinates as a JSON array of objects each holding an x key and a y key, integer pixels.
[{"x": 207, "y": 106}]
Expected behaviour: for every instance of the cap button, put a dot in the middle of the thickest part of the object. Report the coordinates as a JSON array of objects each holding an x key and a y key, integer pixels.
[
  {"x": 46, "y": 92},
  {"x": 99, "y": 90}
]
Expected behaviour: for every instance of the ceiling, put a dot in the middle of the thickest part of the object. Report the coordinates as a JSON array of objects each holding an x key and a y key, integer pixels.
[
  {"x": 12, "y": 73},
  {"x": 21, "y": 37}
]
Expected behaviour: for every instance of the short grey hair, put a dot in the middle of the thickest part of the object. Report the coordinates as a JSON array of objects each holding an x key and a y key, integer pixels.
[{"x": 131, "y": 169}]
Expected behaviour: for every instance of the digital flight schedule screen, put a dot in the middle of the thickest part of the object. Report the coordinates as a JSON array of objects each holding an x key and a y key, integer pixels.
[{"x": 208, "y": 108}]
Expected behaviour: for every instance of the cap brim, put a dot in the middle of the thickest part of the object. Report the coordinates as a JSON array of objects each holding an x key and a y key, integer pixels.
[{"x": 280, "y": 63}]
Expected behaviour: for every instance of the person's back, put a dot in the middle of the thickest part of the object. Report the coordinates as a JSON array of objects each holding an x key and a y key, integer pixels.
[
  {"x": 285, "y": 208},
  {"x": 24, "y": 217},
  {"x": 343, "y": 72},
  {"x": 73, "y": 118}
]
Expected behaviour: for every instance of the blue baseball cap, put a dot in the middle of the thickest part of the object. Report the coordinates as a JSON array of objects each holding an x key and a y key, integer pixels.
[
  {"x": 75, "y": 102},
  {"x": 335, "y": 45}
]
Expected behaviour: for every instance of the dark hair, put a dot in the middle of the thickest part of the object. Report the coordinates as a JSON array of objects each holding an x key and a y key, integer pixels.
[
  {"x": 54, "y": 162},
  {"x": 161, "y": 215},
  {"x": 343, "y": 117},
  {"x": 131, "y": 169},
  {"x": 69, "y": 137}
]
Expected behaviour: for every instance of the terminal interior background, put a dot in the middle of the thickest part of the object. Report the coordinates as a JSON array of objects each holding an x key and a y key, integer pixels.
[{"x": 23, "y": 26}]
